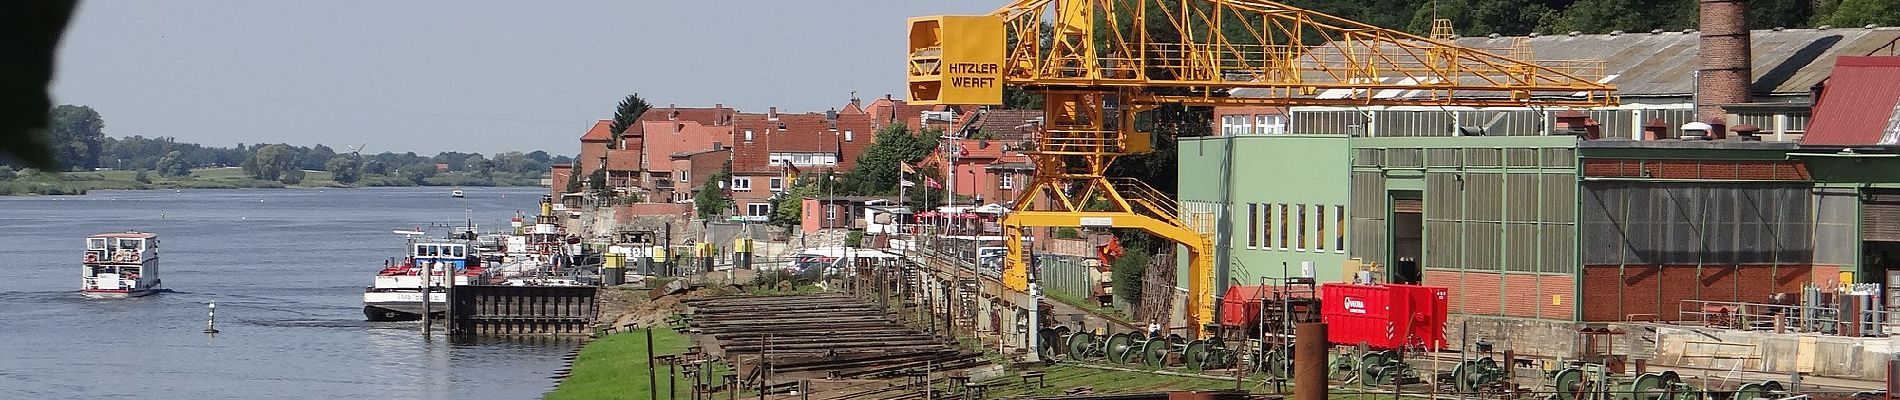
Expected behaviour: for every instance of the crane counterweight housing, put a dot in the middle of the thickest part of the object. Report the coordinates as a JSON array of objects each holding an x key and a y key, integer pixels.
[{"x": 966, "y": 69}]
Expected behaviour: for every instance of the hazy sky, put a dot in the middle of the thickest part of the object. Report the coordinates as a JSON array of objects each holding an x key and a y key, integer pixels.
[{"x": 428, "y": 76}]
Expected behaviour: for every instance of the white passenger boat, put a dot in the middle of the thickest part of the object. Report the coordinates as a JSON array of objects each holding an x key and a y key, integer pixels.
[{"x": 119, "y": 265}]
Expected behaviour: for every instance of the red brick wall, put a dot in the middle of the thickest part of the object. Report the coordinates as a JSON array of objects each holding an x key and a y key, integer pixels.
[
  {"x": 1696, "y": 169},
  {"x": 1615, "y": 295},
  {"x": 1502, "y": 294}
]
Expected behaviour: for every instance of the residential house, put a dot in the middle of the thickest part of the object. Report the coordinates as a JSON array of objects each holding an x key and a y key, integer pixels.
[
  {"x": 888, "y": 111},
  {"x": 690, "y": 170},
  {"x": 669, "y": 131},
  {"x": 771, "y": 149}
]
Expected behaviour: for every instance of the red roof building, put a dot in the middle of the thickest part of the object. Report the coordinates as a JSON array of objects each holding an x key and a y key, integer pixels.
[
  {"x": 887, "y": 111},
  {"x": 1857, "y": 104},
  {"x": 769, "y": 148}
]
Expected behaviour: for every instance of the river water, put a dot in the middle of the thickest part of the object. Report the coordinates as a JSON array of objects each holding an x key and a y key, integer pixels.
[{"x": 286, "y": 267}]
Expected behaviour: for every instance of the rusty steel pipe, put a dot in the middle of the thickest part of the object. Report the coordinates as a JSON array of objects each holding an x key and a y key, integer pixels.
[{"x": 1309, "y": 362}]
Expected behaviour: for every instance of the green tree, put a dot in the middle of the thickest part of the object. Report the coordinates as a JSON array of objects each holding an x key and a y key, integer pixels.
[
  {"x": 172, "y": 165},
  {"x": 597, "y": 182},
  {"x": 625, "y": 115},
  {"x": 877, "y": 171},
  {"x": 6, "y": 173},
  {"x": 78, "y": 133},
  {"x": 788, "y": 208},
  {"x": 344, "y": 169},
  {"x": 573, "y": 183},
  {"x": 1127, "y": 274},
  {"x": 292, "y": 176},
  {"x": 142, "y": 177},
  {"x": 1862, "y": 12},
  {"x": 271, "y": 161},
  {"x": 416, "y": 173},
  {"x": 1483, "y": 17},
  {"x": 711, "y": 200}
]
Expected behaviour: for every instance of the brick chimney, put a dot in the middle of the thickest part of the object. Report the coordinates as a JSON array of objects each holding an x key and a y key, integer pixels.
[{"x": 1725, "y": 73}]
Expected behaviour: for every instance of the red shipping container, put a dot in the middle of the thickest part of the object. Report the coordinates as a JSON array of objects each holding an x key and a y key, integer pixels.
[{"x": 1384, "y": 316}]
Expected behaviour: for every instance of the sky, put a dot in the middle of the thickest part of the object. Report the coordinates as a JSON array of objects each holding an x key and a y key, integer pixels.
[{"x": 481, "y": 76}]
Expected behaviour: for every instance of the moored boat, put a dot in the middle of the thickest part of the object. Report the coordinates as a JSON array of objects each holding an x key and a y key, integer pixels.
[
  {"x": 122, "y": 264},
  {"x": 396, "y": 294}
]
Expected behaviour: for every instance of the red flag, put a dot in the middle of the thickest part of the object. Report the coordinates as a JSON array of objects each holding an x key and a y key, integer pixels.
[{"x": 932, "y": 183}]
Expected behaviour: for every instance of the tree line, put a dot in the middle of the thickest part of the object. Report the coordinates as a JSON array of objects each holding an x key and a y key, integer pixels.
[{"x": 79, "y": 142}]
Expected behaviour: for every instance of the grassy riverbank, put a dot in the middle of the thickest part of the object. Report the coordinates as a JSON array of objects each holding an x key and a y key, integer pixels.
[
  {"x": 76, "y": 183},
  {"x": 615, "y": 367}
]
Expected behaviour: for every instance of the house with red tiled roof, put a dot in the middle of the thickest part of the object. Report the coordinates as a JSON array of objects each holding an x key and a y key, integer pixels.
[
  {"x": 888, "y": 111},
  {"x": 971, "y": 164},
  {"x": 772, "y": 147},
  {"x": 599, "y": 150},
  {"x": 661, "y": 131},
  {"x": 665, "y": 138}
]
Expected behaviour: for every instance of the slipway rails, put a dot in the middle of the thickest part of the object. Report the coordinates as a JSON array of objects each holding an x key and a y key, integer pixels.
[{"x": 819, "y": 336}]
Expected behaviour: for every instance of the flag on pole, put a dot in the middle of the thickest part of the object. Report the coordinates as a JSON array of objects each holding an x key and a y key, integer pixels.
[
  {"x": 906, "y": 168},
  {"x": 932, "y": 183},
  {"x": 907, "y": 183}
]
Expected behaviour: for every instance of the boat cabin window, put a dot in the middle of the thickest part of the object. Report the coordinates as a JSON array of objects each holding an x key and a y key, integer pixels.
[
  {"x": 131, "y": 244},
  {"x": 95, "y": 243},
  {"x": 458, "y": 251}
]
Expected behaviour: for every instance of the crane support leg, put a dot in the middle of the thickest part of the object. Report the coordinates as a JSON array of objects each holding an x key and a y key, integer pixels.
[{"x": 1085, "y": 132}]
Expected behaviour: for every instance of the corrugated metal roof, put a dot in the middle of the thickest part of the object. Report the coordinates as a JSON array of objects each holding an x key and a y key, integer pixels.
[
  {"x": 1786, "y": 62},
  {"x": 1859, "y": 105}
]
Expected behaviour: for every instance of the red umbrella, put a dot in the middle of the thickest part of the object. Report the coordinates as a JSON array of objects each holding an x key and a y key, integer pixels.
[{"x": 927, "y": 214}]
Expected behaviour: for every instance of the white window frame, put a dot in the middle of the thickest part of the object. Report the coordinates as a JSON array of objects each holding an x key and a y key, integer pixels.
[
  {"x": 777, "y": 184},
  {"x": 1269, "y": 124},
  {"x": 758, "y": 209},
  {"x": 1006, "y": 180},
  {"x": 831, "y": 212},
  {"x": 742, "y": 183}
]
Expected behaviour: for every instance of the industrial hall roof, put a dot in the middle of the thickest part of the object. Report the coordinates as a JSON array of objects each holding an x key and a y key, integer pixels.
[
  {"x": 1786, "y": 62},
  {"x": 1860, "y": 105}
]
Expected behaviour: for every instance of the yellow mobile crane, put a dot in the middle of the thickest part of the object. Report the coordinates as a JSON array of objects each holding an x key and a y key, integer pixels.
[{"x": 1099, "y": 63}]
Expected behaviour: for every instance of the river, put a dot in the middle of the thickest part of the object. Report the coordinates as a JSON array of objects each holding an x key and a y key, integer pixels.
[{"x": 287, "y": 269}]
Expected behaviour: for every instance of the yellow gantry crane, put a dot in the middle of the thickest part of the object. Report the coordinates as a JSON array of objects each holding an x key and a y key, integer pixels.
[{"x": 1100, "y": 64}]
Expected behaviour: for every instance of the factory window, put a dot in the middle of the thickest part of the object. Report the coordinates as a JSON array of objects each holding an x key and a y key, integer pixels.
[
  {"x": 741, "y": 183},
  {"x": 1231, "y": 125},
  {"x": 1319, "y": 227},
  {"x": 1269, "y": 124},
  {"x": 1266, "y": 226},
  {"x": 1283, "y": 226},
  {"x": 1301, "y": 245},
  {"x": 1339, "y": 229},
  {"x": 1795, "y": 123},
  {"x": 1253, "y": 225}
]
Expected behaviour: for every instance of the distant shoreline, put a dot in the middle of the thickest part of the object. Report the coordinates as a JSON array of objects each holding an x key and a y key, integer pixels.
[{"x": 79, "y": 183}]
